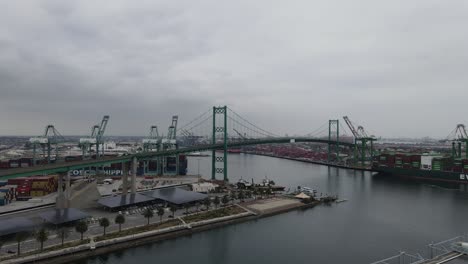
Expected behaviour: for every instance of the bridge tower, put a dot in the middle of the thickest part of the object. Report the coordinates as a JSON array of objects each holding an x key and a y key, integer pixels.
[
  {"x": 219, "y": 116},
  {"x": 334, "y": 134}
]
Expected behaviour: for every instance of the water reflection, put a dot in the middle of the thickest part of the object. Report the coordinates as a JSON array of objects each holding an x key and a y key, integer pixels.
[{"x": 382, "y": 216}]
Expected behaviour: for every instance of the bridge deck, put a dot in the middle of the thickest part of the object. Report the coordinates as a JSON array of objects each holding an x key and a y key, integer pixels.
[{"x": 65, "y": 167}]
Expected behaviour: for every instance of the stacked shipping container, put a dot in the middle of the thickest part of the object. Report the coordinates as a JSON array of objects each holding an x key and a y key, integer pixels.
[
  {"x": 424, "y": 162},
  {"x": 43, "y": 185},
  {"x": 34, "y": 186},
  {"x": 7, "y": 194}
]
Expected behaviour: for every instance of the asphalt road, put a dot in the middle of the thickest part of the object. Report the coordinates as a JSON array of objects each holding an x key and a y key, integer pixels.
[{"x": 94, "y": 229}]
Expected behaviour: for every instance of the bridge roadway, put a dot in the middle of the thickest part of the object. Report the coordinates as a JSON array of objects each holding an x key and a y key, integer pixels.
[{"x": 68, "y": 166}]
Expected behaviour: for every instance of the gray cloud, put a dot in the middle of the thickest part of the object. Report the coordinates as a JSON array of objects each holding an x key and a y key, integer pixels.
[{"x": 397, "y": 67}]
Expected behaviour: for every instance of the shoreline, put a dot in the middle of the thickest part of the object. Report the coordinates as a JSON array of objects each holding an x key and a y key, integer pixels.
[
  {"x": 310, "y": 161},
  {"x": 181, "y": 231}
]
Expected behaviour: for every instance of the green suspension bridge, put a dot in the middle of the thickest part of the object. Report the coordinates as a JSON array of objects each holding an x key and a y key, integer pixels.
[{"x": 217, "y": 130}]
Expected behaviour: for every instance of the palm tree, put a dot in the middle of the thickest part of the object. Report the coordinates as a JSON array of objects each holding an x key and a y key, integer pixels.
[
  {"x": 216, "y": 201},
  {"x": 241, "y": 195},
  {"x": 255, "y": 192},
  {"x": 41, "y": 236},
  {"x": 173, "y": 209},
  {"x": 104, "y": 222},
  {"x": 62, "y": 233},
  {"x": 20, "y": 237},
  {"x": 160, "y": 214},
  {"x": 148, "y": 213},
  {"x": 225, "y": 200},
  {"x": 233, "y": 197},
  {"x": 120, "y": 220},
  {"x": 81, "y": 227},
  {"x": 207, "y": 203}
]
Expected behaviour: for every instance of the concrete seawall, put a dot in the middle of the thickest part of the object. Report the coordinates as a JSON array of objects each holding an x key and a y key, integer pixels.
[{"x": 112, "y": 245}]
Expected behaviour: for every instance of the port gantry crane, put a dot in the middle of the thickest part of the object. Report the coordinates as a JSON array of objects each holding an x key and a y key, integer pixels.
[
  {"x": 151, "y": 143},
  {"x": 362, "y": 149},
  {"x": 46, "y": 142},
  {"x": 170, "y": 143},
  {"x": 458, "y": 137},
  {"x": 96, "y": 138}
]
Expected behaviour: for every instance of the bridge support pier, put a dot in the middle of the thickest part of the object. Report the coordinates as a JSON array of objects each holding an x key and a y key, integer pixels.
[
  {"x": 134, "y": 171},
  {"x": 334, "y": 134},
  {"x": 124, "y": 178},
  {"x": 63, "y": 198}
]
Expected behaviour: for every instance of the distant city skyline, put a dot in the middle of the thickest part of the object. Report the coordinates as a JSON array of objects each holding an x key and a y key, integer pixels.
[{"x": 395, "y": 67}]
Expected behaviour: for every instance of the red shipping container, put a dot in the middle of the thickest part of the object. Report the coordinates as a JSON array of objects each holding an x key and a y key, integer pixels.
[
  {"x": 391, "y": 159},
  {"x": 4, "y": 164}
]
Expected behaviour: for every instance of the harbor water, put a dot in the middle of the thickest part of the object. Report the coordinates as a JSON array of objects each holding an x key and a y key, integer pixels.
[{"x": 381, "y": 217}]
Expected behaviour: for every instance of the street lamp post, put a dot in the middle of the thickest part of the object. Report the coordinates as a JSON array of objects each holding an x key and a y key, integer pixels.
[{"x": 198, "y": 160}]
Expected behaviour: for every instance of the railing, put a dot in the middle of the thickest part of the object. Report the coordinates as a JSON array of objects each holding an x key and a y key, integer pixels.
[
  {"x": 445, "y": 247},
  {"x": 440, "y": 250},
  {"x": 402, "y": 258}
]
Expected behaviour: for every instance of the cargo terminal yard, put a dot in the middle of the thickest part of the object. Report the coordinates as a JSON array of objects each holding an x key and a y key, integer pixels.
[{"x": 49, "y": 182}]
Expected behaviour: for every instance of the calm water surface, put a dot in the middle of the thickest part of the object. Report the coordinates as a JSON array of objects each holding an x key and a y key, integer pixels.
[{"x": 381, "y": 217}]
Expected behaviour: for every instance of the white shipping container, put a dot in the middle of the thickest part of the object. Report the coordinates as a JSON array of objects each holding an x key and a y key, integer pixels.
[
  {"x": 426, "y": 162},
  {"x": 88, "y": 141},
  {"x": 150, "y": 141},
  {"x": 39, "y": 140}
]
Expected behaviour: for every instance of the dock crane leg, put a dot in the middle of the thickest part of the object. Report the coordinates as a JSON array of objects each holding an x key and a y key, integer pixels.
[{"x": 34, "y": 155}]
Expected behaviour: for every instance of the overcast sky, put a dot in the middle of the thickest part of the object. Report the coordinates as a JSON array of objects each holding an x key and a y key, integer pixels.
[{"x": 400, "y": 68}]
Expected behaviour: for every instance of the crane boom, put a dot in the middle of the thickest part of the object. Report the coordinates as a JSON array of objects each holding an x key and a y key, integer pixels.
[
  {"x": 102, "y": 127},
  {"x": 238, "y": 133},
  {"x": 154, "y": 134},
  {"x": 351, "y": 127},
  {"x": 94, "y": 131},
  {"x": 462, "y": 131},
  {"x": 171, "y": 134}
]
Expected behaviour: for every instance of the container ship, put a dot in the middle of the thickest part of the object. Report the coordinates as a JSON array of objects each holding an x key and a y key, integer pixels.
[{"x": 425, "y": 166}]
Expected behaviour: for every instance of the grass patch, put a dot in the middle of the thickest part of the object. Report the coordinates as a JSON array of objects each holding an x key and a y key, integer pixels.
[
  {"x": 68, "y": 244},
  {"x": 226, "y": 211},
  {"x": 140, "y": 229},
  {"x": 49, "y": 248}
]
